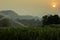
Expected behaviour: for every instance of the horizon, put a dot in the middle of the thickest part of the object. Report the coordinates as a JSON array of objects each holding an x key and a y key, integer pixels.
[
  {"x": 31, "y": 7},
  {"x": 28, "y": 15}
]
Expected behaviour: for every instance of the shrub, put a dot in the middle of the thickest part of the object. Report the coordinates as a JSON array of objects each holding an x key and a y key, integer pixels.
[{"x": 29, "y": 33}]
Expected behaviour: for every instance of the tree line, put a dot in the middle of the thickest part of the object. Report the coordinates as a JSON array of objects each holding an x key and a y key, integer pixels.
[
  {"x": 46, "y": 20},
  {"x": 50, "y": 19}
]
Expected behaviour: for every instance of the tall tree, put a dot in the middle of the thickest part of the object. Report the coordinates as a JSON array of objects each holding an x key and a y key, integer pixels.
[{"x": 44, "y": 21}]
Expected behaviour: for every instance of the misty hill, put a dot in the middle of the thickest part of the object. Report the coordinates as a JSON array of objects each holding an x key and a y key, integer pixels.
[
  {"x": 16, "y": 19},
  {"x": 9, "y": 13},
  {"x": 28, "y": 17},
  {"x": 14, "y": 15}
]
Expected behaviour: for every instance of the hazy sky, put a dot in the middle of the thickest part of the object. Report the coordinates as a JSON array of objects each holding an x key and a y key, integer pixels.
[{"x": 30, "y": 7}]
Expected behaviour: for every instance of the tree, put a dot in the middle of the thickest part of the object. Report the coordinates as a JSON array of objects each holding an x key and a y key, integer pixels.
[
  {"x": 56, "y": 19},
  {"x": 52, "y": 19},
  {"x": 44, "y": 21}
]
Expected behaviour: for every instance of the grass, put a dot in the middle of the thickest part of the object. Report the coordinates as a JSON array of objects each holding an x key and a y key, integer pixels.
[{"x": 29, "y": 33}]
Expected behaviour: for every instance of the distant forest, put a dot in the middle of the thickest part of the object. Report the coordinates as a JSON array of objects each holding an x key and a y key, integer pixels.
[
  {"x": 46, "y": 20},
  {"x": 15, "y": 20},
  {"x": 50, "y": 19}
]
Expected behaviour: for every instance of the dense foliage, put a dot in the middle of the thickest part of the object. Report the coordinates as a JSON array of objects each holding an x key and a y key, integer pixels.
[
  {"x": 51, "y": 19},
  {"x": 29, "y": 33}
]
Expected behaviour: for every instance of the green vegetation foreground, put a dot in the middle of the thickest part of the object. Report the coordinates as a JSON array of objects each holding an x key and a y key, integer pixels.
[{"x": 29, "y": 33}]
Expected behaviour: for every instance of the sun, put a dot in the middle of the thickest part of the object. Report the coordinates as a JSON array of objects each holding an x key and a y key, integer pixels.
[{"x": 54, "y": 6}]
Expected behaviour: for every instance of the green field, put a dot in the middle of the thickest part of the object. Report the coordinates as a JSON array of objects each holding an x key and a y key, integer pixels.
[{"x": 29, "y": 33}]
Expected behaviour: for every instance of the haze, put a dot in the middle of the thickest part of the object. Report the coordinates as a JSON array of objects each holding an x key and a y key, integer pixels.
[{"x": 30, "y": 7}]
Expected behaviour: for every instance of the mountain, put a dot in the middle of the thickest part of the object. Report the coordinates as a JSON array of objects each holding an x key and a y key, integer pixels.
[
  {"x": 27, "y": 17},
  {"x": 16, "y": 19},
  {"x": 13, "y": 15}
]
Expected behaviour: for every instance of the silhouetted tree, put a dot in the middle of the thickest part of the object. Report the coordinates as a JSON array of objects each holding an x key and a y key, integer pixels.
[
  {"x": 44, "y": 21},
  {"x": 51, "y": 19},
  {"x": 56, "y": 19}
]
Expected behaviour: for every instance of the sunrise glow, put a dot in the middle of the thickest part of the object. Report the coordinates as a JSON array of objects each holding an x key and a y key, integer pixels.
[{"x": 54, "y": 6}]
